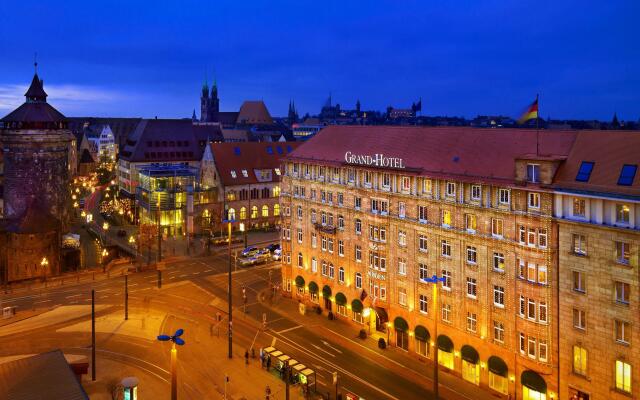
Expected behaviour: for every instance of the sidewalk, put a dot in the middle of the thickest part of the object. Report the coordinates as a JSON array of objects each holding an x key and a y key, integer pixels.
[{"x": 408, "y": 365}]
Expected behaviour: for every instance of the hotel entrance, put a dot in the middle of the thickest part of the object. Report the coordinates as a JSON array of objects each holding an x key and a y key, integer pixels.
[{"x": 381, "y": 319}]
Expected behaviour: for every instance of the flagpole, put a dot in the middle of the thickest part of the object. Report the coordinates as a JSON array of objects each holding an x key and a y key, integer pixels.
[{"x": 538, "y": 125}]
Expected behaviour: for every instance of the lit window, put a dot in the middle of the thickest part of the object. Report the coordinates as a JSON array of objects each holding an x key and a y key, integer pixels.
[
  {"x": 622, "y": 213},
  {"x": 623, "y": 376},
  {"x": 426, "y": 186},
  {"x": 446, "y": 218},
  {"x": 498, "y": 262},
  {"x": 277, "y": 171},
  {"x": 244, "y": 173},
  {"x": 579, "y": 207},
  {"x": 470, "y": 222},
  {"x": 233, "y": 174}
]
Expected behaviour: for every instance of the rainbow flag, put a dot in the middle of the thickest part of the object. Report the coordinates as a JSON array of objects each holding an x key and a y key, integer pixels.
[{"x": 530, "y": 113}]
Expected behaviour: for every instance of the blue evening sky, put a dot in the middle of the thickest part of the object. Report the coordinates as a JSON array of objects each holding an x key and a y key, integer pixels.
[{"x": 463, "y": 57}]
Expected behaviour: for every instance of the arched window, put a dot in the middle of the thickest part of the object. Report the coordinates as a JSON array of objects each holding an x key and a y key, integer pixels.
[
  {"x": 300, "y": 260},
  {"x": 243, "y": 213},
  {"x": 265, "y": 211},
  {"x": 254, "y": 212},
  {"x": 232, "y": 214},
  {"x": 276, "y": 191},
  {"x": 276, "y": 210}
]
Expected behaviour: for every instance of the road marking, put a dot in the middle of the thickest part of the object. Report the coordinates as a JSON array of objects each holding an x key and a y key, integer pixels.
[
  {"x": 331, "y": 347},
  {"x": 289, "y": 329},
  {"x": 323, "y": 350}
]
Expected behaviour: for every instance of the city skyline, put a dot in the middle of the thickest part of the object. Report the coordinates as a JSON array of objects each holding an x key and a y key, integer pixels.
[{"x": 454, "y": 58}]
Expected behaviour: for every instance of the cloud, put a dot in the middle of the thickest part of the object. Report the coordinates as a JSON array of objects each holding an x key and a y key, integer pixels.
[{"x": 66, "y": 97}]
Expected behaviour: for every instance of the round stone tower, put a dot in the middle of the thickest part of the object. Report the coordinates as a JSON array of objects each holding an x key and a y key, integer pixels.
[{"x": 36, "y": 141}]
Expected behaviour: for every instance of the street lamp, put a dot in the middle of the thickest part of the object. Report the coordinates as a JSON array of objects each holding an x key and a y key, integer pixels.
[
  {"x": 435, "y": 279},
  {"x": 44, "y": 264},
  {"x": 229, "y": 222},
  {"x": 105, "y": 253},
  {"x": 175, "y": 340}
]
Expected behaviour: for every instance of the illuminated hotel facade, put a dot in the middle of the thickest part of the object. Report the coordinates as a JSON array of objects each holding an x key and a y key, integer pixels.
[{"x": 371, "y": 212}]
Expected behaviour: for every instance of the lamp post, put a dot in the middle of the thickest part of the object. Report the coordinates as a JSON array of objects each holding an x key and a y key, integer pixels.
[
  {"x": 175, "y": 340},
  {"x": 434, "y": 280},
  {"x": 104, "y": 253},
  {"x": 44, "y": 264},
  {"x": 229, "y": 222},
  {"x": 244, "y": 232}
]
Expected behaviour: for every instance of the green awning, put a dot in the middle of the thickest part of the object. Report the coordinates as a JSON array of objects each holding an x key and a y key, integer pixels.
[
  {"x": 498, "y": 366},
  {"x": 299, "y": 281},
  {"x": 400, "y": 324},
  {"x": 326, "y": 291},
  {"x": 533, "y": 381},
  {"x": 313, "y": 287},
  {"x": 341, "y": 299},
  {"x": 422, "y": 333},
  {"x": 356, "y": 306},
  {"x": 469, "y": 354},
  {"x": 445, "y": 343}
]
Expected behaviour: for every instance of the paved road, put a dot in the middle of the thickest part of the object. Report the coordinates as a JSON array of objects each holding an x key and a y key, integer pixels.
[{"x": 359, "y": 372}]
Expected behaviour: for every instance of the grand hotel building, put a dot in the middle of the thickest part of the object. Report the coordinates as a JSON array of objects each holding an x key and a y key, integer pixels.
[{"x": 370, "y": 213}]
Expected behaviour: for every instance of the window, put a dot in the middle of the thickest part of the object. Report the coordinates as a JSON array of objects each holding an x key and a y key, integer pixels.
[
  {"x": 623, "y": 376},
  {"x": 324, "y": 269},
  {"x": 402, "y": 238},
  {"x": 405, "y": 184},
  {"x": 622, "y": 292},
  {"x": 579, "y": 244},
  {"x": 278, "y": 171},
  {"x": 358, "y": 226},
  {"x": 622, "y": 253},
  {"x": 446, "y": 248},
  {"x": 367, "y": 178},
  {"x": 522, "y": 234},
  {"x": 622, "y": 214},
  {"x": 243, "y": 212},
  {"x": 402, "y": 266},
  {"x": 402, "y": 296},
  {"x": 299, "y": 212},
  {"x": 314, "y": 265},
  {"x": 451, "y": 189},
  {"x": 534, "y": 200},
  {"x": 497, "y": 227},
  {"x": 542, "y": 350},
  {"x": 254, "y": 212},
  {"x": 358, "y": 253},
  {"x": 232, "y": 214},
  {"x": 579, "y": 282},
  {"x": 358, "y": 280},
  {"x": 300, "y": 261},
  {"x": 314, "y": 217},
  {"x": 423, "y": 272},
  {"x": 446, "y": 284},
  {"x": 498, "y": 331},
  {"x": 426, "y": 186},
  {"x": 542, "y": 274},
  {"x": 276, "y": 210},
  {"x": 472, "y": 287},
  {"x": 357, "y": 201},
  {"x": 402, "y": 209},
  {"x": 472, "y": 321},
  {"x": 627, "y": 174},
  {"x": 585, "y": 171},
  {"x": 422, "y": 243},
  {"x": 475, "y": 192},
  {"x": 472, "y": 255},
  {"x": 314, "y": 240},
  {"x": 522, "y": 342},
  {"x": 542, "y": 238},
  {"x": 422, "y": 213},
  {"x": 245, "y": 173},
  {"x": 330, "y": 245},
  {"x": 533, "y": 173},
  {"x": 531, "y": 309},
  {"x": 531, "y": 237},
  {"x": 340, "y": 199},
  {"x": 542, "y": 312},
  {"x": 299, "y": 235},
  {"x": 579, "y": 207},
  {"x": 579, "y": 319},
  {"x": 498, "y": 296},
  {"x": 446, "y": 312},
  {"x": 324, "y": 243},
  {"x": 340, "y": 222},
  {"x": 446, "y": 218},
  {"x": 351, "y": 174},
  {"x": 341, "y": 248},
  {"x": 531, "y": 346},
  {"x": 332, "y": 271},
  {"x": 386, "y": 181},
  {"x": 233, "y": 174},
  {"x": 470, "y": 222},
  {"x": 622, "y": 331},
  {"x": 503, "y": 196},
  {"x": 341, "y": 275},
  {"x": 498, "y": 262},
  {"x": 423, "y": 304},
  {"x": 522, "y": 308}
]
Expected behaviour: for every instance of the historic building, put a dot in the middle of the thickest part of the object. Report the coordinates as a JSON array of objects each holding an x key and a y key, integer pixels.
[
  {"x": 372, "y": 212},
  {"x": 36, "y": 147},
  {"x": 597, "y": 206},
  {"x": 247, "y": 179}
]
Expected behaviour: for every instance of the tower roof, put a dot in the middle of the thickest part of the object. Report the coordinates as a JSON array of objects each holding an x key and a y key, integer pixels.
[
  {"x": 35, "y": 112},
  {"x": 36, "y": 90}
]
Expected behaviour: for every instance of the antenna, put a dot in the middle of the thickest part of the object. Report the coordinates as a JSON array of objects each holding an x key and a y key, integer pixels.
[{"x": 35, "y": 62}]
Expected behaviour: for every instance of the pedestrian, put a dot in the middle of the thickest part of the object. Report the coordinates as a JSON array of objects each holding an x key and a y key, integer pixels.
[
  {"x": 246, "y": 357},
  {"x": 267, "y": 392}
]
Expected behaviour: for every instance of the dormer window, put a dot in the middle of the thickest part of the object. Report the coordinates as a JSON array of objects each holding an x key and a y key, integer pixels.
[
  {"x": 627, "y": 174},
  {"x": 245, "y": 173},
  {"x": 233, "y": 174},
  {"x": 277, "y": 171},
  {"x": 533, "y": 173}
]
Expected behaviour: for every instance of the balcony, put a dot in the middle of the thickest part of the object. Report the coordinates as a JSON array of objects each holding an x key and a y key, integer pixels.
[{"x": 329, "y": 229}]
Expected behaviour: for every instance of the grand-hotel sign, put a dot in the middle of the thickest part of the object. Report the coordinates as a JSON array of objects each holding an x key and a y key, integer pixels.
[{"x": 374, "y": 160}]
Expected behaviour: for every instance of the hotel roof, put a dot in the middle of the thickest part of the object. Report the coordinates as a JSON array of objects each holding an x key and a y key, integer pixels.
[
  {"x": 233, "y": 158},
  {"x": 609, "y": 151},
  {"x": 459, "y": 152}
]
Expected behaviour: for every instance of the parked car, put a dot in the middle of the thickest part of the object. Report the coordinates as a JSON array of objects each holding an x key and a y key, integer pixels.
[
  {"x": 277, "y": 255},
  {"x": 249, "y": 251},
  {"x": 247, "y": 261},
  {"x": 273, "y": 247}
]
